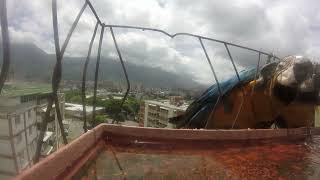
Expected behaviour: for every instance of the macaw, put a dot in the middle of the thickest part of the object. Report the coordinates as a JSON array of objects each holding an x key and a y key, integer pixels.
[{"x": 284, "y": 95}]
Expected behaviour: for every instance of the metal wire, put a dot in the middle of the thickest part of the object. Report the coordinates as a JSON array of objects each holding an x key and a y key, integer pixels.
[
  {"x": 242, "y": 90},
  {"x": 94, "y": 12},
  {"x": 171, "y": 35},
  {"x": 254, "y": 85},
  {"x": 256, "y": 75},
  {"x": 188, "y": 34},
  {"x": 84, "y": 76},
  {"x": 124, "y": 70},
  {"x": 74, "y": 24},
  {"x": 216, "y": 79},
  {"x": 5, "y": 44},
  {"x": 96, "y": 76},
  {"x": 56, "y": 77}
]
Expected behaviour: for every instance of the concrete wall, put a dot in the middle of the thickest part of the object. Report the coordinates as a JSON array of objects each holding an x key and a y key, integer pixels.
[
  {"x": 22, "y": 159},
  {"x": 23, "y": 121},
  {"x": 5, "y": 177},
  {"x": 4, "y": 125},
  {"x": 5, "y": 147},
  {"x": 9, "y": 101},
  {"x": 7, "y": 165},
  {"x": 72, "y": 157}
]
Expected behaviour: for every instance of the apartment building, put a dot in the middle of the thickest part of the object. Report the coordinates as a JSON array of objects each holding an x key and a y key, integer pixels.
[
  {"x": 22, "y": 108},
  {"x": 157, "y": 113}
]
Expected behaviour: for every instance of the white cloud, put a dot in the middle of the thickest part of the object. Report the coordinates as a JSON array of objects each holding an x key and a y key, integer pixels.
[{"x": 283, "y": 27}]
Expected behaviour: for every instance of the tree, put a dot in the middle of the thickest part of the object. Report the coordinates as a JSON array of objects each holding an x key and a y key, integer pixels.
[{"x": 100, "y": 119}]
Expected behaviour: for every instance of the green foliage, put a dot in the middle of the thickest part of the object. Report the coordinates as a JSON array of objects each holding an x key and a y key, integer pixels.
[
  {"x": 131, "y": 105},
  {"x": 73, "y": 96},
  {"x": 100, "y": 119}
]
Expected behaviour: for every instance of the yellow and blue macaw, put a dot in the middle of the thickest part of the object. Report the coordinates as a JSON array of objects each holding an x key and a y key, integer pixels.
[{"x": 284, "y": 95}]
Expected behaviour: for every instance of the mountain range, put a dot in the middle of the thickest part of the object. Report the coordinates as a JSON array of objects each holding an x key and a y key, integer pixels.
[{"x": 30, "y": 63}]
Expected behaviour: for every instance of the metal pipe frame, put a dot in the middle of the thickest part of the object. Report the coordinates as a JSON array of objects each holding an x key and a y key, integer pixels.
[
  {"x": 256, "y": 75},
  {"x": 84, "y": 77},
  {"x": 87, "y": 2},
  {"x": 56, "y": 77},
  {"x": 217, "y": 82},
  {"x": 242, "y": 90},
  {"x": 96, "y": 76},
  {"x": 188, "y": 34},
  {"x": 60, "y": 52},
  {"x": 124, "y": 70}
]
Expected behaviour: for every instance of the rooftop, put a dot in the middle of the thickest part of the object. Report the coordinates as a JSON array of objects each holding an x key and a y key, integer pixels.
[
  {"x": 166, "y": 104},
  {"x": 78, "y": 107},
  {"x": 23, "y": 89}
]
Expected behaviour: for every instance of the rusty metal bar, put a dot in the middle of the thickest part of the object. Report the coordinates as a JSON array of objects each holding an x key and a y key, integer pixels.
[
  {"x": 96, "y": 77},
  {"x": 74, "y": 24},
  {"x": 168, "y": 34},
  {"x": 187, "y": 34},
  {"x": 59, "y": 117},
  {"x": 254, "y": 85},
  {"x": 212, "y": 69},
  {"x": 94, "y": 12},
  {"x": 216, "y": 79},
  {"x": 124, "y": 70},
  {"x": 43, "y": 128},
  {"x": 58, "y": 68},
  {"x": 56, "y": 78},
  {"x": 256, "y": 75},
  {"x": 242, "y": 90},
  {"x": 5, "y": 44},
  {"x": 84, "y": 76}
]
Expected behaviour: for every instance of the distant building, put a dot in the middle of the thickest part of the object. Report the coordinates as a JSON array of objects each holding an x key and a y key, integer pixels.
[
  {"x": 74, "y": 121},
  {"x": 75, "y": 111},
  {"x": 176, "y": 100},
  {"x": 22, "y": 108},
  {"x": 157, "y": 114}
]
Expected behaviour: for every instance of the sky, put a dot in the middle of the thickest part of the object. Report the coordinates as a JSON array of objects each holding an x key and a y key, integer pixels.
[{"x": 288, "y": 27}]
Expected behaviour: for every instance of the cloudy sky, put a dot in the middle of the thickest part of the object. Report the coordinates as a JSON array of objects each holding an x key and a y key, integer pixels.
[{"x": 282, "y": 27}]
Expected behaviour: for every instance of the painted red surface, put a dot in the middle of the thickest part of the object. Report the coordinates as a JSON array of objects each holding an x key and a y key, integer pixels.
[
  {"x": 237, "y": 150},
  {"x": 267, "y": 159}
]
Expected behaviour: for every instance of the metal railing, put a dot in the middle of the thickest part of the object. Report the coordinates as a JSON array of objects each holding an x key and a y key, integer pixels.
[{"x": 56, "y": 77}]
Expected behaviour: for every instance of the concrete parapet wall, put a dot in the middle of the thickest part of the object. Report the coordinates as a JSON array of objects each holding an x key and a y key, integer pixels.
[{"x": 71, "y": 158}]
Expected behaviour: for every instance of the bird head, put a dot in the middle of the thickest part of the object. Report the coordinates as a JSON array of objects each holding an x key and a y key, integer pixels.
[{"x": 295, "y": 80}]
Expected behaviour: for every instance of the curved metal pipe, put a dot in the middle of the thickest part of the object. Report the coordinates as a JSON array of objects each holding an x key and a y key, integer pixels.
[
  {"x": 96, "y": 76},
  {"x": 242, "y": 90},
  {"x": 188, "y": 34},
  {"x": 124, "y": 70},
  {"x": 216, "y": 79},
  {"x": 74, "y": 25},
  {"x": 84, "y": 77}
]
